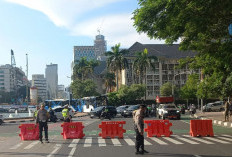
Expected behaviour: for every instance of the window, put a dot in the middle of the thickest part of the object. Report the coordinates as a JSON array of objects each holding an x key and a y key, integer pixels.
[
  {"x": 1, "y": 83},
  {"x": 1, "y": 72},
  {"x": 1, "y": 79},
  {"x": 1, "y": 75}
]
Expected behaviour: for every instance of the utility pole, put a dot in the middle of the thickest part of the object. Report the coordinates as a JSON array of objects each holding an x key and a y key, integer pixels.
[{"x": 27, "y": 78}]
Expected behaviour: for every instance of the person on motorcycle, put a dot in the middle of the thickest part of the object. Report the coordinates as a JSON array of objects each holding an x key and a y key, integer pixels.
[
  {"x": 192, "y": 109},
  {"x": 105, "y": 113},
  {"x": 52, "y": 115}
]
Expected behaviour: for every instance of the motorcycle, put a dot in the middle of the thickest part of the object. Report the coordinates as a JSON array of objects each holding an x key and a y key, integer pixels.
[
  {"x": 53, "y": 117},
  {"x": 105, "y": 115}
]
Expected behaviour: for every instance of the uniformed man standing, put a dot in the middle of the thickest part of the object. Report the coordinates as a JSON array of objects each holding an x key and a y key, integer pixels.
[
  {"x": 35, "y": 113},
  {"x": 42, "y": 119},
  {"x": 139, "y": 126},
  {"x": 226, "y": 111},
  {"x": 65, "y": 113}
]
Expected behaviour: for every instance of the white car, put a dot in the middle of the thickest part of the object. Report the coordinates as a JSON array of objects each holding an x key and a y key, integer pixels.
[
  {"x": 58, "y": 112},
  {"x": 168, "y": 111}
]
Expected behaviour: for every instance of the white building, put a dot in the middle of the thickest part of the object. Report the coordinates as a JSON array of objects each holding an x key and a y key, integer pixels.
[
  {"x": 51, "y": 74},
  {"x": 40, "y": 83},
  {"x": 61, "y": 92}
]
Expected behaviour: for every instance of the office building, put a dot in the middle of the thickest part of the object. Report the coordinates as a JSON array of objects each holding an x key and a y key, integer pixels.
[
  {"x": 51, "y": 74},
  {"x": 40, "y": 83}
]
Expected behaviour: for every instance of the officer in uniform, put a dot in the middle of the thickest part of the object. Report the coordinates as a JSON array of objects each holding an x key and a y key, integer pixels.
[
  {"x": 42, "y": 119},
  {"x": 65, "y": 113},
  {"x": 35, "y": 113},
  {"x": 139, "y": 126}
]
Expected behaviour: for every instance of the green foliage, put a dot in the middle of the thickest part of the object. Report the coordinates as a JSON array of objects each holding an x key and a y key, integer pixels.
[
  {"x": 109, "y": 81},
  {"x": 189, "y": 90},
  {"x": 84, "y": 88},
  {"x": 166, "y": 89},
  {"x": 126, "y": 94}
]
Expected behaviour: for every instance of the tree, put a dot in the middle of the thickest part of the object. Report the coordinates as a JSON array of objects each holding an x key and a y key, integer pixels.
[
  {"x": 141, "y": 63},
  {"x": 200, "y": 27},
  {"x": 84, "y": 88},
  {"x": 166, "y": 89},
  {"x": 109, "y": 81},
  {"x": 116, "y": 61}
]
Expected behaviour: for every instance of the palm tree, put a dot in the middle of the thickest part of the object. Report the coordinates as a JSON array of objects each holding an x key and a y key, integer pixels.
[
  {"x": 109, "y": 81},
  {"x": 116, "y": 61},
  {"x": 141, "y": 63}
]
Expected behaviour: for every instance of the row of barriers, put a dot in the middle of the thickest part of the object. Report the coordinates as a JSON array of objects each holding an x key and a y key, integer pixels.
[{"x": 112, "y": 129}]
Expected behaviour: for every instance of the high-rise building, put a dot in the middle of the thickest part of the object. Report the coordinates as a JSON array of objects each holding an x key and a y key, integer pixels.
[
  {"x": 51, "y": 74},
  {"x": 40, "y": 83},
  {"x": 61, "y": 92}
]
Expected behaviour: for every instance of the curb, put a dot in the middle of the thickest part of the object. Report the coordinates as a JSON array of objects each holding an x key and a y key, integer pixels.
[{"x": 216, "y": 122}]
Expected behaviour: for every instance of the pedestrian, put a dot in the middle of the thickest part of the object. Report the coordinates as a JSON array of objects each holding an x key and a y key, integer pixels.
[
  {"x": 226, "y": 113},
  {"x": 65, "y": 114},
  {"x": 42, "y": 119},
  {"x": 139, "y": 126},
  {"x": 35, "y": 113},
  {"x": 230, "y": 109}
]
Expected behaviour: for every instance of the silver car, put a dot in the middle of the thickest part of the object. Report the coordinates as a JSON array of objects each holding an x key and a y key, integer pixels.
[{"x": 215, "y": 106}]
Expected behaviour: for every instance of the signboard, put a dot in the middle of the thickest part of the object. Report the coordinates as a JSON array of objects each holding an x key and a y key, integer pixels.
[{"x": 164, "y": 99}]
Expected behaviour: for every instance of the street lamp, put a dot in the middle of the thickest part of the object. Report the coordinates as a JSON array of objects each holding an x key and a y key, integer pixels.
[{"x": 69, "y": 90}]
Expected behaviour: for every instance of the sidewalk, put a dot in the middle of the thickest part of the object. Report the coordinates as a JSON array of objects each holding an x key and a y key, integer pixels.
[
  {"x": 217, "y": 117},
  {"x": 30, "y": 119}
]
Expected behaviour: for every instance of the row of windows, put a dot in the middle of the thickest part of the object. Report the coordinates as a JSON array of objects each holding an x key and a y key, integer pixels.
[
  {"x": 1, "y": 83},
  {"x": 1, "y": 72},
  {"x": 1, "y": 79},
  {"x": 1, "y": 75}
]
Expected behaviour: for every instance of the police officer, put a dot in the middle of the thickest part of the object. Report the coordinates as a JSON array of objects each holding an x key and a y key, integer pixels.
[
  {"x": 139, "y": 126},
  {"x": 35, "y": 113},
  {"x": 65, "y": 113},
  {"x": 42, "y": 119}
]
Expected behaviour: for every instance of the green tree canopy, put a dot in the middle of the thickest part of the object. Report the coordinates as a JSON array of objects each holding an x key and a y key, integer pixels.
[
  {"x": 109, "y": 81},
  {"x": 166, "y": 89},
  {"x": 189, "y": 90}
]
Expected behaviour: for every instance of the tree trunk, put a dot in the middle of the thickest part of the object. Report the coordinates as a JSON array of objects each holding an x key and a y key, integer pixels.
[
  {"x": 145, "y": 83},
  {"x": 117, "y": 79}
]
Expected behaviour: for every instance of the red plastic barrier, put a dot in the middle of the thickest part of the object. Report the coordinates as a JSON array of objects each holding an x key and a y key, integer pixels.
[
  {"x": 112, "y": 129},
  {"x": 29, "y": 132},
  {"x": 201, "y": 128},
  {"x": 158, "y": 128},
  {"x": 72, "y": 130}
]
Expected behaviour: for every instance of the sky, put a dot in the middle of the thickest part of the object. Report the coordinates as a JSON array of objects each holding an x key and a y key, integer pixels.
[{"x": 47, "y": 30}]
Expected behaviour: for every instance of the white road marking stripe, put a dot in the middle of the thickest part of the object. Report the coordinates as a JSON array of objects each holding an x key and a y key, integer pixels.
[
  {"x": 172, "y": 140},
  {"x": 88, "y": 142},
  {"x": 158, "y": 141},
  {"x": 116, "y": 142},
  {"x": 216, "y": 140},
  {"x": 129, "y": 141},
  {"x": 197, "y": 155},
  {"x": 101, "y": 142},
  {"x": 72, "y": 152},
  {"x": 57, "y": 147},
  {"x": 31, "y": 145},
  {"x": 146, "y": 143},
  {"x": 199, "y": 139},
  {"x": 17, "y": 146},
  {"x": 186, "y": 140},
  {"x": 74, "y": 143},
  {"x": 227, "y": 135},
  {"x": 225, "y": 138}
]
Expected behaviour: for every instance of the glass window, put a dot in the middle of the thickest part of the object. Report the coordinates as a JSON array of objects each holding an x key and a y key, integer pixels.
[
  {"x": 1, "y": 75},
  {"x": 1, "y": 71}
]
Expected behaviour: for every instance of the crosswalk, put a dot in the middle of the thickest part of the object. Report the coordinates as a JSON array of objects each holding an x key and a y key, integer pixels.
[{"x": 130, "y": 141}]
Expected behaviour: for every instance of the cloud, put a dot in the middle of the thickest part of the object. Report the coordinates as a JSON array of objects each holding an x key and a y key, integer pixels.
[{"x": 69, "y": 14}]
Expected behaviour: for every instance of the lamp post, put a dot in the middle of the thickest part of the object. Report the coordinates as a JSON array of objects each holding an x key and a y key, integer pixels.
[{"x": 69, "y": 90}]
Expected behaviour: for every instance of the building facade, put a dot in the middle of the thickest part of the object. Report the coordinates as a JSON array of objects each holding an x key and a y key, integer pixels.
[
  {"x": 165, "y": 67},
  {"x": 39, "y": 81},
  {"x": 51, "y": 74},
  {"x": 61, "y": 92}
]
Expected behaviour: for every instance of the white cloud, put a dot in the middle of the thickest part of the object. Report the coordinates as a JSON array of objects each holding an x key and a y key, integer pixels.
[{"x": 67, "y": 13}]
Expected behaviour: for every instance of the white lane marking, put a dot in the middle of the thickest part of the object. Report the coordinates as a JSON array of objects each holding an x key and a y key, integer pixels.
[
  {"x": 216, "y": 140},
  {"x": 72, "y": 152},
  {"x": 225, "y": 138},
  {"x": 199, "y": 139},
  {"x": 74, "y": 143},
  {"x": 186, "y": 140},
  {"x": 88, "y": 142},
  {"x": 197, "y": 155},
  {"x": 146, "y": 143},
  {"x": 17, "y": 146},
  {"x": 158, "y": 141},
  {"x": 57, "y": 147},
  {"x": 31, "y": 145},
  {"x": 185, "y": 122},
  {"x": 129, "y": 141},
  {"x": 172, "y": 140},
  {"x": 101, "y": 142},
  {"x": 116, "y": 142},
  {"x": 227, "y": 135}
]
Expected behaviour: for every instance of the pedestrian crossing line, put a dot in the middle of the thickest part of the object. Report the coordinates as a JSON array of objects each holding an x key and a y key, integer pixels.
[
  {"x": 116, "y": 142},
  {"x": 74, "y": 143},
  {"x": 186, "y": 140},
  {"x": 88, "y": 142},
  {"x": 158, "y": 141},
  {"x": 216, "y": 140},
  {"x": 101, "y": 142},
  {"x": 146, "y": 143},
  {"x": 57, "y": 147},
  {"x": 172, "y": 140},
  {"x": 72, "y": 152},
  {"x": 129, "y": 141},
  {"x": 198, "y": 139},
  {"x": 17, "y": 146},
  {"x": 31, "y": 145},
  {"x": 227, "y": 135},
  {"x": 225, "y": 138}
]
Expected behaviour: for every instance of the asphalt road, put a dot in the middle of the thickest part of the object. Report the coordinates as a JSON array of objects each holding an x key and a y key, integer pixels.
[{"x": 178, "y": 145}]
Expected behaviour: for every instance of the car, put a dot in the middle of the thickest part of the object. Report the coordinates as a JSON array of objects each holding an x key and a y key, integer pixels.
[
  {"x": 31, "y": 108},
  {"x": 120, "y": 109},
  {"x": 168, "y": 111},
  {"x": 97, "y": 111},
  {"x": 215, "y": 106},
  {"x": 129, "y": 111},
  {"x": 1, "y": 119},
  {"x": 3, "y": 110},
  {"x": 12, "y": 109},
  {"x": 58, "y": 112}
]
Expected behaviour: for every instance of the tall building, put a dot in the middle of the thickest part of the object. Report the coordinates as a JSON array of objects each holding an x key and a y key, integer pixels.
[
  {"x": 61, "y": 93},
  {"x": 11, "y": 78},
  {"x": 40, "y": 83},
  {"x": 165, "y": 67},
  {"x": 51, "y": 74}
]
